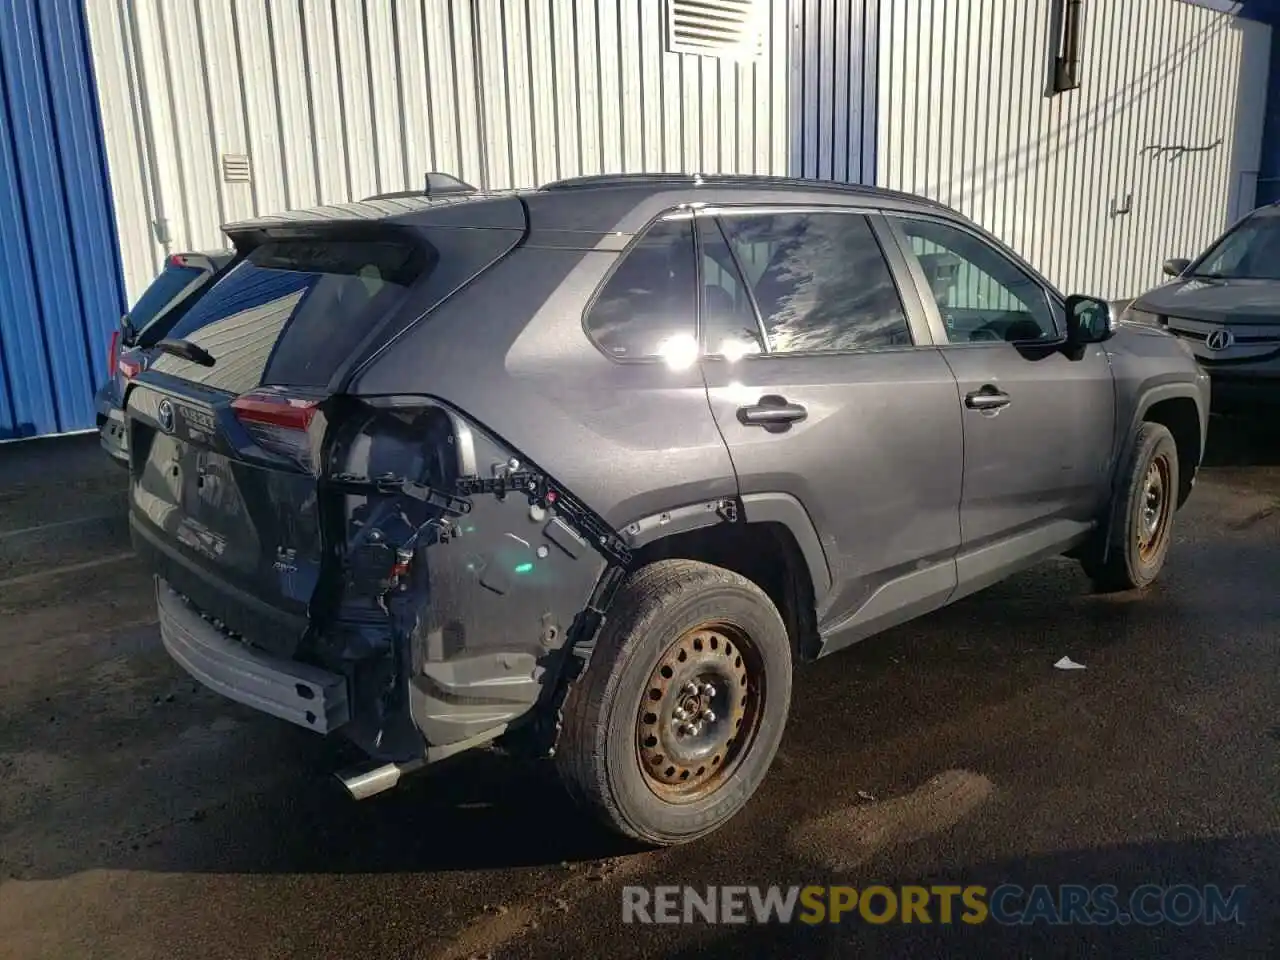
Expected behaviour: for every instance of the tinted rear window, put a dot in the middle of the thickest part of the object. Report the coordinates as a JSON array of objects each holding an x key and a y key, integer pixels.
[
  {"x": 164, "y": 293},
  {"x": 294, "y": 311}
]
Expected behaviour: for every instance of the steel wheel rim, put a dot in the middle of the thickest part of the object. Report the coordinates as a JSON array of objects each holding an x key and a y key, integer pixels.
[
  {"x": 1155, "y": 508},
  {"x": 700, "y": 712}
]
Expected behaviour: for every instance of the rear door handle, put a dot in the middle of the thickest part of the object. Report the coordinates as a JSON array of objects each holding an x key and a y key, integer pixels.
[
  {"x": 771, "y": 410},
  {"x": 988, "y": 398}
]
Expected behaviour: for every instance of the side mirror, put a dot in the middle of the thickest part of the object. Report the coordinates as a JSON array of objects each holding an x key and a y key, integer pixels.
[
  {"x": 1089, "y": 320},
  {"x": 1176, "y": 267},
  {"x": 127, "y": 333}
]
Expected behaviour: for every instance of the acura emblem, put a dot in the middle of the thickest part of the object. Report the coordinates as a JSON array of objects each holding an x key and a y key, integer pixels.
[
  {"x": 1219, "y": 340},
  {"x": 164, "y": 416}
]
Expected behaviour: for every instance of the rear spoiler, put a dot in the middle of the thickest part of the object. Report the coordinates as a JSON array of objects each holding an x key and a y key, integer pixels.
[
  {"x": 371, "y": 213},
  {"x": 212, "y": 262}
]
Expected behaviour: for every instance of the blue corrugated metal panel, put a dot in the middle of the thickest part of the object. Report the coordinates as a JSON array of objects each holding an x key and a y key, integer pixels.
[
  {"x": 833, "y": 89},
  {"x": 1268, "y": 11},
  {"x": 60, "y": 287}
]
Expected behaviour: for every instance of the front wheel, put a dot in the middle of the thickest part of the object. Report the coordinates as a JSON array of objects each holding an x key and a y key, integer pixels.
[
  {"x": 677, "y": 718},
  {"x": 1142, "y": 526}
]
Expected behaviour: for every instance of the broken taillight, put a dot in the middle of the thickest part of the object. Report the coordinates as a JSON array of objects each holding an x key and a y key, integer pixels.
[
  {"x": 279, "y": 422},
  {"x": 130, "y": 364}
]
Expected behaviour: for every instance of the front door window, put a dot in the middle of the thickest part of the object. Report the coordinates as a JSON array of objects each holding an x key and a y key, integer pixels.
[{"x": 981, "y": 294}]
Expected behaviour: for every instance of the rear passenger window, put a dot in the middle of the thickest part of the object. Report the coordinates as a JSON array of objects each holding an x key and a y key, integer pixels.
[
  {"x": 820, "y": 282},
  {"x": 730, "y": 325},
  {"x": 648, "y": 306}
]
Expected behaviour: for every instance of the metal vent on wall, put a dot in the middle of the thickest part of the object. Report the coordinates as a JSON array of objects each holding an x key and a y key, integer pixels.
[
  {"x": 235, "y": 168},
  {"x": 716, "y": 28}
]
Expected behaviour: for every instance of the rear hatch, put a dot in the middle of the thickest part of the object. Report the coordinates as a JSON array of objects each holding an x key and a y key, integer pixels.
[{"x": 227, "y": 459}]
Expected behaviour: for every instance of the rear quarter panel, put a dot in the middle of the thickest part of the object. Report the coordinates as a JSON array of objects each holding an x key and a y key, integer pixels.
[{"x": 627, "y": 439}]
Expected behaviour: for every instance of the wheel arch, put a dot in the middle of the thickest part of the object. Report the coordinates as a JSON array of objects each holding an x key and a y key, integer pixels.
[
  {"x": 1176, "y": 407},
  {"x": 767, "y": 538},
  {"x": 1181, "y": 416}
]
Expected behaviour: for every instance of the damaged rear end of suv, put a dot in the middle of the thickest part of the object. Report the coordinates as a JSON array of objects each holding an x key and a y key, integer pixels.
[
  {"x": 373, "y": 563},
  {"x": 588, "y": 469}
]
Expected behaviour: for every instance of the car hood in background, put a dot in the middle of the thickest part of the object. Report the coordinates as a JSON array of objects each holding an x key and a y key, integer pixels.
[{"x": 1215, "y": 301}]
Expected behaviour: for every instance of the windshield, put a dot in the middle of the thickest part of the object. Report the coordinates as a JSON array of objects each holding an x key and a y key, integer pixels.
[{"x": 1250, "y": 252}]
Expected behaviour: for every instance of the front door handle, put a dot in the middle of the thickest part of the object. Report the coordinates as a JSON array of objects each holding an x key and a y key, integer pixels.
[
  {"x": 988, "y": 398},
  {"x": 771, "y": 411}
]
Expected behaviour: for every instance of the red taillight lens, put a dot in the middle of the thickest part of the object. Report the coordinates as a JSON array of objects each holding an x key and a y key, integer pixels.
[
  {"x": 275, "y": 407},
  {"x": 113, "y": 353},
  {"x": 279, "y": 422},
  {"x": 130, "y": 364}
]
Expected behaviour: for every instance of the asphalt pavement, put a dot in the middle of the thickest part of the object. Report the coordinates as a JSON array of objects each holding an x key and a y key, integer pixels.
[{"x": 142, "y": 816}]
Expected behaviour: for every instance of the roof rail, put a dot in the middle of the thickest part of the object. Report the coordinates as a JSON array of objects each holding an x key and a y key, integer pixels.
[
  {"x": 727, "y": 179},
  {"x": 435, "y": 184},
  {"x": 621, "y": 180}
]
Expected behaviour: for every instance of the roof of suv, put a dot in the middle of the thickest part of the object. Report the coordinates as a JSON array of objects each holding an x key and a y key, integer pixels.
[
  {"x": 747, "y": 182},
  {"x": 626, "y": 191}
]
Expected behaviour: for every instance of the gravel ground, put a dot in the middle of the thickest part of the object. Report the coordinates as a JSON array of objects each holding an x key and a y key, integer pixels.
[{"x": 141, "y": 816}]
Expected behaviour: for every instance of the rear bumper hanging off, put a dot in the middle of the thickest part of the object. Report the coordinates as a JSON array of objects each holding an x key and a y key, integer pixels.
[{"x": 297, "y": 692}]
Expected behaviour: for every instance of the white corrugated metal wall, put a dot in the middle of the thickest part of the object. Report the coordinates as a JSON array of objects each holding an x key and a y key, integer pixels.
[
  {"x": 833, "y": 89},
  {"x": 1153, "y": 155},
  {"x": 334, "y": 100}
]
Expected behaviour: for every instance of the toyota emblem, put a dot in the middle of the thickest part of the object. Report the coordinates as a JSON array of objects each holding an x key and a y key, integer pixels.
[
  {"x": 1219, "y": 340},
  {"x": 164, "y": 416}
]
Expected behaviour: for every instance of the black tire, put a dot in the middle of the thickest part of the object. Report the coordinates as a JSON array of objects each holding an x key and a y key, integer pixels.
[
  {"x": 1137, "y": 551},
  {"x": 609, "y": 749}
]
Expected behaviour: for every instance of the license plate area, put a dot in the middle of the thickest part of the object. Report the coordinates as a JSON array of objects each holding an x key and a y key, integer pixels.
[{"x": 242, "y": 532}]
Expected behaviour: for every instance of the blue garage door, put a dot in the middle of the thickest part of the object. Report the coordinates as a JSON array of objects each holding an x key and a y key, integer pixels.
[{"x": 61, "y": 290}]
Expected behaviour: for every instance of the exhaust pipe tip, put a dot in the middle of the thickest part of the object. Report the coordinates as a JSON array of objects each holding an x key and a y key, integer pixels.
[{"x": 365, "y": 782}]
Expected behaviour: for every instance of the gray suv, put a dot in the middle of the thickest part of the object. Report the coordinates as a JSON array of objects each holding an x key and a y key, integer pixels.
[
  {"x": 1226, "y": 306},
  {"x": 584, "y": 470}
]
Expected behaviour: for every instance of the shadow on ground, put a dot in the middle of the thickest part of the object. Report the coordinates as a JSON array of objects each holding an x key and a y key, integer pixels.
[{"x": 1236, "y": 441}]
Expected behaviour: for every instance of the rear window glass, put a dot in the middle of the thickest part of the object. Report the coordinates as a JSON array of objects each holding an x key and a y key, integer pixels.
[
  {"x": 294, "y": 311},
  {"x": 166, "y": 291}
]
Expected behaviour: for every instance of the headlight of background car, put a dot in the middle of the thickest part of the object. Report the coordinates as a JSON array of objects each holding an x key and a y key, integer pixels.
[{"x": 1133, "y": 315}]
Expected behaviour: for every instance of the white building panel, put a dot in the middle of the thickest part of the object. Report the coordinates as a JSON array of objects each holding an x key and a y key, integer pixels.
[
  {"x": 1151, "y": 157},
  {"x": 335, "y": 100}
]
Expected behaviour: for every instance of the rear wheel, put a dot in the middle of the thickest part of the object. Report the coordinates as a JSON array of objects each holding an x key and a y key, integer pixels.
[
  {"x": 1142, "y": 529},
  {"x": 678, "y": 716}
]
